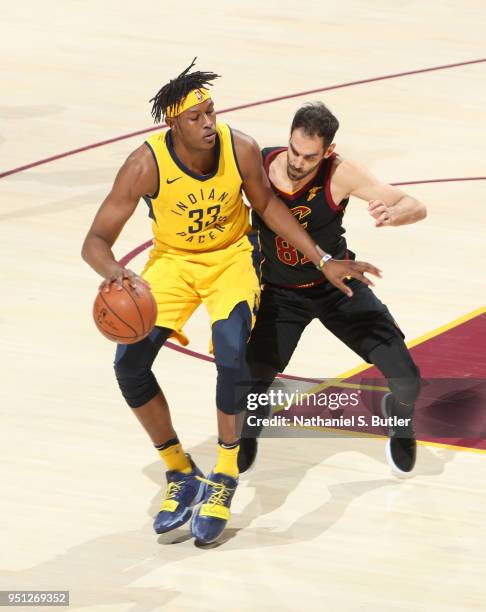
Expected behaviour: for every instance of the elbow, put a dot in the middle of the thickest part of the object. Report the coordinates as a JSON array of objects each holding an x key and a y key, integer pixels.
[
  {"x": 422, "y": 212},
  {"x": 417, "y": 210},
  {"x": 85, "y": 250}
]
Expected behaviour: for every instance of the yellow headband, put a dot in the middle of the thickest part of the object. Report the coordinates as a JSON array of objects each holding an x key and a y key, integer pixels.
[{"x": 196, "y": 96}]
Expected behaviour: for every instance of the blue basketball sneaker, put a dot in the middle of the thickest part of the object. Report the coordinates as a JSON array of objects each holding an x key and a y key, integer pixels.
[
  {"x": 211, "y": 516},
  {"x": 183, "y": 491}
]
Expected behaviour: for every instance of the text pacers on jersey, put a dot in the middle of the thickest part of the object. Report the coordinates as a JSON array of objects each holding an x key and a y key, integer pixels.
[{"x": 205, "y": 221}]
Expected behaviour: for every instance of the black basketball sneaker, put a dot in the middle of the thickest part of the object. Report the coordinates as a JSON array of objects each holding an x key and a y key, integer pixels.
[
  {"x": 401, "y": 448},
  {"x": 249, "y": 439},
  {"x": 247, "y": 454}
]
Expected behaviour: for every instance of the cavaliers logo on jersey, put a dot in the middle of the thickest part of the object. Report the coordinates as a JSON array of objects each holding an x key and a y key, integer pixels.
[
  {"x": 301, "y": 212},
  {"x": 313, "y": 192}
]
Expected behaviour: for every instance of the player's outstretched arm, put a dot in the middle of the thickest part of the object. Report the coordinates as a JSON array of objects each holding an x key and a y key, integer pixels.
[
  {"x": 135, "y": 178},
  {"x": 279, "y": 219},
  {"x": 387, "y": 204}
]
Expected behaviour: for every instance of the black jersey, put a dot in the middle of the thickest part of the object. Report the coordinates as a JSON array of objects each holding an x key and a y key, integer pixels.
[{"x": 313, "y": 206}]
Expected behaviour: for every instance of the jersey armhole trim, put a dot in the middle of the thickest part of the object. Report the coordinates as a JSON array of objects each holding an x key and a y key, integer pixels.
[
  {"x": 233, "y": 147},
  {"x": 331, "y": 202},
  {"x": 273, "y": 153},
  {"x": 156, "y": 193}
]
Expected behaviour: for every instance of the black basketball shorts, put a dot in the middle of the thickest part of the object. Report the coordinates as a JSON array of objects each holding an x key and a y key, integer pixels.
[{"x": 361, "y": 322}]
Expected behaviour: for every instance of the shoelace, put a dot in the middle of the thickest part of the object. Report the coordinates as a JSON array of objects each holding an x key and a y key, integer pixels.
[
  {"x": 172, "y": 489},
  {"x": 220, "y": 496}
]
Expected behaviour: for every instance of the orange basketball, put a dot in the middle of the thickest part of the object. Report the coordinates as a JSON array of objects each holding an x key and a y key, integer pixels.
[{"x": 125, "y": 316}]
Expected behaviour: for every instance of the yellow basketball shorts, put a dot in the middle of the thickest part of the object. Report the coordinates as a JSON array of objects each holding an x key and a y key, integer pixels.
[{"x": 219, "y": 279}]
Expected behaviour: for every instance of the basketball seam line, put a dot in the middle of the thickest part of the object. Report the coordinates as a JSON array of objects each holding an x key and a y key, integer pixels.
[
  {"x": 138, "y": 309},
  {"x": 119, "y": 318}
]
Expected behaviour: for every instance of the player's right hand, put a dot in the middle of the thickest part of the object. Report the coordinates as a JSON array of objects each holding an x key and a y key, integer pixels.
[
  {"x": 337, "y": 270},
  {"x": 116, "y": 278}
]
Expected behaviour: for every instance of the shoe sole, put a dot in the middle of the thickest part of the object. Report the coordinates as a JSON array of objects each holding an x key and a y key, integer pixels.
[
  {"x": 396, "y": 470},
  {"x": 186, "y": 516},
  {"x": 204, "y": 542}
]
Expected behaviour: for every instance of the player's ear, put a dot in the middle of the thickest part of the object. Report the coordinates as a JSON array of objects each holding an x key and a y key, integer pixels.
[
  {"x": 177, "y": 124},
  {"x": 330, "y": 150}
]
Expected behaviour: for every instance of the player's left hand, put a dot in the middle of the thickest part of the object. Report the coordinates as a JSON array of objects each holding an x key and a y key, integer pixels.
[
  {"x": 381, "y": 213},
  {"x": 337, "y": 270}
]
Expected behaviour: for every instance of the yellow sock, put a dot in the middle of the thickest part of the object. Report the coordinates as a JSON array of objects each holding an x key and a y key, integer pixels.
[
  {"x": 228, "y": 461},
  {"x": 175, "y": 458}
]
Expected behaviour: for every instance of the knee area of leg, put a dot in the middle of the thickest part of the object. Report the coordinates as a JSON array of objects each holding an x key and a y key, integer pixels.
[
  {"x": 230, "y": 337},
  {"x": 230, "y": 353},
  {"x": 139, "y": 390},
  {"x": 137, "y": 385},
  {"x": 125, "y": 368},
  {"x": 229, "y": 408}
]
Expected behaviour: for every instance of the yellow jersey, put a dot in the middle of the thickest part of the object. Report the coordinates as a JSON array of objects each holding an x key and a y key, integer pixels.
[{"x": 197, "y": 213}]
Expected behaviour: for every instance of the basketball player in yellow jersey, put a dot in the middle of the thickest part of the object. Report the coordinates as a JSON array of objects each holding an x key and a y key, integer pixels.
[{"x": 191, "y": 177}]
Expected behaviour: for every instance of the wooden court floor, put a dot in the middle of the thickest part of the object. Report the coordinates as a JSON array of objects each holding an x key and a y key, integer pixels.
[{"x": 320, "y": 523}]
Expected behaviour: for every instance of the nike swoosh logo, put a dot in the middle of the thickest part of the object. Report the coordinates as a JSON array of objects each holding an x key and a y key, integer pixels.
[{"x": 169, "y": 181}]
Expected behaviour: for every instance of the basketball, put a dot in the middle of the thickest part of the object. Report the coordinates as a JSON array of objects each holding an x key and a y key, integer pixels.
[{"x": 125, "y": 316}]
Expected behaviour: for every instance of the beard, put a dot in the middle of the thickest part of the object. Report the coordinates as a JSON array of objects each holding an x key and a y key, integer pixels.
[{"x": 298, "y": 175}]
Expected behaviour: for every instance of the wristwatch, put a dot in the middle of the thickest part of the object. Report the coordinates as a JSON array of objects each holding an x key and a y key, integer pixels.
[{"x": 325, "y": 258}]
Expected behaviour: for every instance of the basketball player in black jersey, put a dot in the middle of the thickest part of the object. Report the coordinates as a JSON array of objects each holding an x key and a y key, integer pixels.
[{"x": 315, "y": 183}]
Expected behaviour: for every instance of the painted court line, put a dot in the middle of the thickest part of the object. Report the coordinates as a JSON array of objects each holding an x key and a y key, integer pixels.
[
  {"x": 476, "y": 445},
  {"x": 145, "y": 245},
  {"x": 421, "y": 339},
  {"x": 243, "y": 106}
]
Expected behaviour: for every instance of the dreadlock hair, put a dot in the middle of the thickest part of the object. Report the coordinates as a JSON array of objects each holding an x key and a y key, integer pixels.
[{"x": 177, "y": 89}]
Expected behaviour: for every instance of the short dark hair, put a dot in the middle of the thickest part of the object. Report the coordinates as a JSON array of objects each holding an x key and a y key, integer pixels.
[
  {"x": 316, "y": 119},
  {"x": 177, "y": 89}
]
